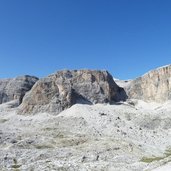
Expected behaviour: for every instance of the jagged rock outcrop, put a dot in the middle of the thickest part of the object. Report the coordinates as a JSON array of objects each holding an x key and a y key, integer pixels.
[
  {"x": 153, "y": 86},
  {"x": 15, "y": 88},
  {"x": 61, "y": 90}
]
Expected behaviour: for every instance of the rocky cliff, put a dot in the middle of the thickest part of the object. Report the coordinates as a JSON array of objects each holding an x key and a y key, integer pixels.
[
  {"x": 153, "y": 86},
  {"x": 15, "y": 88},
  {"x": 61, "y": 90}
]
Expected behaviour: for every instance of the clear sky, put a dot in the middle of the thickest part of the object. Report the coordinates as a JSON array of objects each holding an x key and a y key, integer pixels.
[{"x": 125, "y": 37}]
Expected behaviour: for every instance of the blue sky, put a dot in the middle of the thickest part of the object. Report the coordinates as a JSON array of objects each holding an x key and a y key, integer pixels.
[{"x": 125, "y": 37}]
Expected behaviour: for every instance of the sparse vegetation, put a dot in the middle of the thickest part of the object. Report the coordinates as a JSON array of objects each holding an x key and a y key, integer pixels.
[
  {"x": 150, "y": 159},
  {"x": 166, "y": 154},
  {"x": 72, "y": 142},
  {"x": 43, "y": 146},
  {"x": 3, "y": 120},
  {"x": 15, "y": 166}
]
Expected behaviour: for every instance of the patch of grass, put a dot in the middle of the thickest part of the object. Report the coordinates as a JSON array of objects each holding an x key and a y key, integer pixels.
[
  {"x": 48, "y": 129},
  {"x": 16, "y": 166},
  {"x": 72, "y": 142},
  {"x": 3, "y": 120},
  {"x": 166, "y": 154},
  {"x": 150, "y": 159},
  {"x": 43, "y": 146}
]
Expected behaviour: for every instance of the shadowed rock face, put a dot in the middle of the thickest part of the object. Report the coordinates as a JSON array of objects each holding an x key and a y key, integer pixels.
[
  {"x": 15, "y": 89},
  {"x": 153, "y": 86},
  {"x": 61, "y": 90}
]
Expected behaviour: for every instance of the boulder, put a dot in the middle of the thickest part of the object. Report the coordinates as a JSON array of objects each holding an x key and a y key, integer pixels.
[
  {"x": 153, "y": 86},
  {"x": 62, "y": 89},
  {"x": 15, "y": 88}
]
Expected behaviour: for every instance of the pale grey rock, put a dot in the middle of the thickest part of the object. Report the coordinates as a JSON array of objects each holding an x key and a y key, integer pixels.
[
  {"x": 80, "y": 138},
  {"x": 122, "y": 83},
  {"x": 153, "y": 86},
  {"x": 15, "y": 88},
  {"x": 61, "y": 90}
]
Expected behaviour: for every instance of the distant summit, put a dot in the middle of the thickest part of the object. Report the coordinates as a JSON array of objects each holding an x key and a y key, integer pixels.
[{"x": 155, "y": 85}]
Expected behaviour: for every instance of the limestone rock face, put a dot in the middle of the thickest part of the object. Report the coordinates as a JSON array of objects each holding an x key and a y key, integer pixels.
[
  {"x": 15, "y": 88},
  {"x": 61, "y": 90},
  {"x": 153, "y": 86}
]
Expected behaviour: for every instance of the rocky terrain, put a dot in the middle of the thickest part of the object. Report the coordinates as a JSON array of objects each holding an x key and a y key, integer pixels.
[
  {"x": 63, "y": 89},
  {"x": 12, "y": 89},
  {"x": 153, "y": 86},
  {"x": 86, "y": 121}
]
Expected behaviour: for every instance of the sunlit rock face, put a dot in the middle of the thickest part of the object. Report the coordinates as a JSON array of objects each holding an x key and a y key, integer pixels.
[
  {"x": 15, "y": 88},
  {"x": 153, "y": 86},
  {"x": 62, "y": 89}
]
